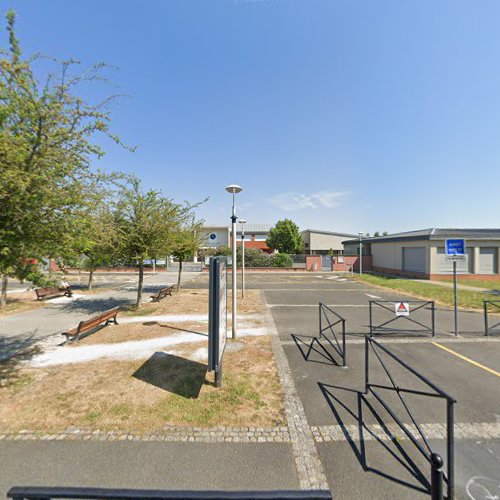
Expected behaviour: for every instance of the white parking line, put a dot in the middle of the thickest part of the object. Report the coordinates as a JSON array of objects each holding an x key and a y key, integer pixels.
[
  {"x": 373, "y": 296},
  {"x": 316, "y": 305}
]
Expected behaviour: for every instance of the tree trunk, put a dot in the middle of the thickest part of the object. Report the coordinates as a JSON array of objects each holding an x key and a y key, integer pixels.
[
  {"x": 179, "y": 275},
  {"x": 91, "y": 278},
  {"x": 141, "y": 281},
  {"x": 3, "y": 299}
]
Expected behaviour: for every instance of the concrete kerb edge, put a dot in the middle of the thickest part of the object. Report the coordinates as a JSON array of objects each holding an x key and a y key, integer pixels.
[{"x": 309, "y": 467}]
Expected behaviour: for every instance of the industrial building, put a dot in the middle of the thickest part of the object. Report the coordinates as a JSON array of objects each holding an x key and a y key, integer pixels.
[
  {"x": 318, "y": 242},
  {"x": 421, "y": 254}
]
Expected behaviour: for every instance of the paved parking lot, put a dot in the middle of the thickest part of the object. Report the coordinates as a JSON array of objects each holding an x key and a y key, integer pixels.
[
  {"x": 377, "y": 465},
  {"x": 363, "y": 452}
]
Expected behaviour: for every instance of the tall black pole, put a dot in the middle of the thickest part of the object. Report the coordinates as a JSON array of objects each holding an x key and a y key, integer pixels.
[{"x": 455, "y": 302}]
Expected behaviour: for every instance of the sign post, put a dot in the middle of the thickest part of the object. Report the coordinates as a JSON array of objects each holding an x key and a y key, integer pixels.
[
  {"x": 455, "y": 250},
  {"x": 217, "y": 316}
]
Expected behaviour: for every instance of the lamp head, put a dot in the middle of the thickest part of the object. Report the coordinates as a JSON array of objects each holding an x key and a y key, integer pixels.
[{"x": 234, "y": 188}]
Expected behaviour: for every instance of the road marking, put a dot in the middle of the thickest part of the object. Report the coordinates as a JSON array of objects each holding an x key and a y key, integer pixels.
[
  {"x": 373, "y": 296},
  {"x": 472, "y": 362},
  {"x": 316, "y": 305},
  {"x": 371, "y": 432},
  {"x": 401, "y": 340}
]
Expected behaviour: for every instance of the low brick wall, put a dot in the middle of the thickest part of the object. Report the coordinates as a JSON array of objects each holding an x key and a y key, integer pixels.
[
  {"x": 267, "y": 269},
  {"x": 351, "y": 262},
  {"x": 313, "y": 263}
]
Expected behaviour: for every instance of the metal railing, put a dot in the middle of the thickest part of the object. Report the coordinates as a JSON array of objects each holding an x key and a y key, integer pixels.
[
  {"x": 495, "y": 305},
  {"x": 44, "y": 493},
  {"x": 433, "y": 458},
  {"x": 415, "y": 305},
  {"x": 325, "y": 316}
]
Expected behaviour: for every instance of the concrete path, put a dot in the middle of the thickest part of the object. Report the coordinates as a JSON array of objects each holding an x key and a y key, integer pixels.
[
  {"x": 147, "y": 465},
  {"x": 62, "y": 313}
]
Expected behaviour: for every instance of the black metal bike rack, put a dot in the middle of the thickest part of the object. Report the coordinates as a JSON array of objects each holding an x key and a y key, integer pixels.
[
  {"x": 415, "y": 305},
  {"x": 433, "y": 458},
  {"x": 495, "y": 306},
  {"x": 331, "y": 319},
  {"x": 44, "y": 493}
]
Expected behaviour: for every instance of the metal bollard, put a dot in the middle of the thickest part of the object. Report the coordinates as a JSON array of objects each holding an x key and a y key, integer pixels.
[{"x": 436, "y": 477}]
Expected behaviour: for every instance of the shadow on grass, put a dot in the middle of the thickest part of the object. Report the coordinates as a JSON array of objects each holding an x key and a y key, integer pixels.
[
  {"x": 173, "y": 374},
  {"x": 13, "y": 351},
  {"x": 405, "y": 470}
]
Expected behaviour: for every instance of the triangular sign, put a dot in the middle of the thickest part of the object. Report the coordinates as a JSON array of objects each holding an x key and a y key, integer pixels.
[{"x": 402, "y": 307}]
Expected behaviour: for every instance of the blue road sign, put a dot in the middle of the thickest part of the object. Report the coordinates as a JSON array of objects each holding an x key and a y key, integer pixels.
[{"x": 455, "y": 247}]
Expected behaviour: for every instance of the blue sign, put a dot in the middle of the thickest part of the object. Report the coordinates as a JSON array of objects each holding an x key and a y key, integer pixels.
[{"x": 455, "y": 247}]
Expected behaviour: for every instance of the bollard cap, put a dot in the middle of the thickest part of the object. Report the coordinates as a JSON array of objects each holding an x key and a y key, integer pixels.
[{"x": 436, "y": 460}]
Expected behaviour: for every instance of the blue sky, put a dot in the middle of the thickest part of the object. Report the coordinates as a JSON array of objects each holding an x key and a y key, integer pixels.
[{"x": 342, "y": 115}]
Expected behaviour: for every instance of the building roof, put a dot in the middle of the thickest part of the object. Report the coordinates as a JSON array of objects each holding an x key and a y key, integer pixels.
[
  {"x": 255, "y": 228},
  {"x": 249, "y": 228},
  {"x": 433, "y": 234},
  {"x": 328, "y": 232}
]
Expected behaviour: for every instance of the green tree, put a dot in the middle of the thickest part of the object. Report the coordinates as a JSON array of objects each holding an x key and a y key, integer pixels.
[
  {"x": 46, "y": 148},
  {"x": 376, "y": 234},
  {"x": 149, "y": 224},
  {"x": 187, "y": 241},
  {"x": 104, "y": 240},
  {"x": 285, "y": 237}
]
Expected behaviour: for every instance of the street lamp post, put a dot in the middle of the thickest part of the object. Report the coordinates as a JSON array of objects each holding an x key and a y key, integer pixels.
[
  {"x": 243, "y": 222},
  {"x": 234, "y": 188},
  {"x": 360, "y": 253}
]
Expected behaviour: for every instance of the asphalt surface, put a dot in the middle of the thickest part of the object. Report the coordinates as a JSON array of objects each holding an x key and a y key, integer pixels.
[
  {"x": 356, "y": 467},
  {"x": 332, "y": 395},
  {"x": 147, "y": 465}
]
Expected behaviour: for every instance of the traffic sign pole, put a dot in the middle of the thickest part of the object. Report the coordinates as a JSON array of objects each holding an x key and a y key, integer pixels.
[{"x": 455, "y": 301}]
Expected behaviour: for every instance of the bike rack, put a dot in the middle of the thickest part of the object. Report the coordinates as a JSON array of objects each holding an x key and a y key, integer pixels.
[
  {"x": 415, "y": 306},
  {"x": 495, "y": 328},
  {"x": 434, "y": 459},
  {"x": 325, "y": 314}
]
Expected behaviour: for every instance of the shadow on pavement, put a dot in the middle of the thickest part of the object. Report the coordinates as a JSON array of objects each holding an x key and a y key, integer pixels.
[
  {"x": 390, "y": 446},
  {"x": 171, "y": 373},
  {"x": 306, "y": 345}
]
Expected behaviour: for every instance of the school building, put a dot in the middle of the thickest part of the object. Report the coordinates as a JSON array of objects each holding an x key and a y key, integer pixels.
[{"x": 421, "y": 253}]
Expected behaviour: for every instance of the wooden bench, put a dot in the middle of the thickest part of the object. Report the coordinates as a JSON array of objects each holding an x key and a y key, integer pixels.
[
  {"x": 49, "y": 292},
  {"x": 85, "y": 326},
  {"x": 163, "y": 292}
]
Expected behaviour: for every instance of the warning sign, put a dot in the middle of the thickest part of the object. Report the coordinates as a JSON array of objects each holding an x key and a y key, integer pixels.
[{"x": 402, "y": 308}]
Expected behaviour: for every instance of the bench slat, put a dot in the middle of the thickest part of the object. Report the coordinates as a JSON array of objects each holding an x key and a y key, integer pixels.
[{"x": 89, "y": 324}]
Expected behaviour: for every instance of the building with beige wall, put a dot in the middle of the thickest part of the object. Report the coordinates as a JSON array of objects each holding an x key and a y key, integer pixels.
[
  {"x": 422, "y": 253},
  {"x": 318, "y": 242}
]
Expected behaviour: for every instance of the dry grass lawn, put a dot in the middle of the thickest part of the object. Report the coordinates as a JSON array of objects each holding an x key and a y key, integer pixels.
[
  {"x": 191, "y": 301},
  {"x": 168, "y": 387},
  {"x": 145, "y": 395},
  {"x": 19, "y": 302}
]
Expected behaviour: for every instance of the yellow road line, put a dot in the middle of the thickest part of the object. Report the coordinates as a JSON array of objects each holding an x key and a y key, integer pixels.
[{"x": 475, "y": 363}]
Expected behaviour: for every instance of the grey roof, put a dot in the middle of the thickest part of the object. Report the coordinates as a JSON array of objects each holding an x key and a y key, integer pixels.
[
  {"x": 434, "y": 234},
  {"x": 255, "y": 228},
  {"x": 328, "y": 232},
  {"x": 249, "y": 228}
]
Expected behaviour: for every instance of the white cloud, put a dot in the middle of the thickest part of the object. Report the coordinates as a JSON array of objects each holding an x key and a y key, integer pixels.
[{"x": 292, "y": 201}]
